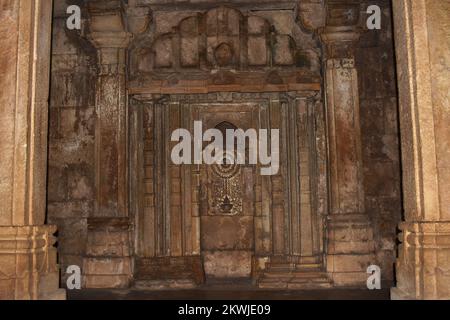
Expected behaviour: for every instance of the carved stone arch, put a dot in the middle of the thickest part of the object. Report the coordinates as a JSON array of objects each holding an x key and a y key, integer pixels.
[
  {"x": 284, "y": 50},
  {"x": 163, "y": 52},
  {"x": 225, "y": 125},
  {"x": 191, "y": 43},
  {"x": 227, "y": 20},
  {"x": 224, "y": 34},
  {"x": 222, "y": 39}
]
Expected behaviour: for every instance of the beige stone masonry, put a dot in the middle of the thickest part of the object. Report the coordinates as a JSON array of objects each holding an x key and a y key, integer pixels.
[
  {"x": 28, "y": 268},
  {"x": 422, "y": 44}
]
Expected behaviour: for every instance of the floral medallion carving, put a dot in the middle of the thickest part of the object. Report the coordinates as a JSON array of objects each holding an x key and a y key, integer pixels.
[{"x": 226, "y": 194}]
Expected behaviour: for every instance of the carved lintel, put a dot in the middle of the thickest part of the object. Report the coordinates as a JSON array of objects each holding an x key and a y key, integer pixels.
[{"x": 242, "y": 42}]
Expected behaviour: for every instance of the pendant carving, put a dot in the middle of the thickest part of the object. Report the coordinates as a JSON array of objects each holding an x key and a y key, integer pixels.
[{"x": 226, "y": 193}]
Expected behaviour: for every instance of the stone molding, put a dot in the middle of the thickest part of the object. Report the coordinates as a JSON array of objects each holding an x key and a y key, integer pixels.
[
  {"x": 423, "y": 253},
  {"x": 105, "y": 39},
  {"x": 28, "y": 268}
]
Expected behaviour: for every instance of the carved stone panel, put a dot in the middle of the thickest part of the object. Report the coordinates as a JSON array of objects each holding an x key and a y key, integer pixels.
[
  {"x": 227, "y": 212},
  {"x": 236, "y": 221},
  {"x": 223, "y": 45}
]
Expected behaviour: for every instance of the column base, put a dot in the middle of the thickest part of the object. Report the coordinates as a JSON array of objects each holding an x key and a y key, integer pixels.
[
  {"x": 351, "y": 249},
  {"x": 423, "y": 265},
  {"x": 108, "y": 262},
  {"x": 291, "y": 273},
  {"x": 28, "y": 268},
  {"x": 397, "y": 294},
  {"x": 169, "y": 272}
]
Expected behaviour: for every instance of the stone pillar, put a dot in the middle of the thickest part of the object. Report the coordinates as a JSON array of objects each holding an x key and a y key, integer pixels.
[
  {"x": 350, "y": 248},
  {"x": 108, "y": 260},
  {"x": 28, "y": 268},
  {"x": 423, "y": 60}
]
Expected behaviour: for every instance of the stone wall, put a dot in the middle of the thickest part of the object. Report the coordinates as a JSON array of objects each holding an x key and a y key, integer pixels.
[
  {"x": 71, "y": 185},
  {"x": 71, "y": 139},
  {"x": 28, "y": 268},
  {"x": 422, "y": 46},
  {"x": 375, "y": 61}
]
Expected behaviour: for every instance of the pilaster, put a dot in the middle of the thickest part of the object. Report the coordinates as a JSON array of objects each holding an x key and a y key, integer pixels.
[
  {"x": 422, "y": 44},
  {"x": 350, "y": 248},
  {"x": 28, "y": 266},
  {"x": 107, "y": 263}
]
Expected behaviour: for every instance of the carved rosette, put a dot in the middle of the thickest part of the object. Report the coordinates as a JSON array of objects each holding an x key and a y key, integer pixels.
[{"x": 227, "y": 192}]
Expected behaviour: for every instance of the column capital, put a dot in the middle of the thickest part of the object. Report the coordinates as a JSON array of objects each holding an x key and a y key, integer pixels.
[
  {"x": 340, "y": 34},
  {"x": 339, "y": 41},
  {"x": 107, "y": 23},
  {"x": 111, "y": 39},
  {"x": 341, "y": 31},
  {"x": 344, "y": 63}
]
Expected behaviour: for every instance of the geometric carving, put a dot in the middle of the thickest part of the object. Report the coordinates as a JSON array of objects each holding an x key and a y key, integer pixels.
[
  {"x": 219, "y": 38},
  {"x": 226, "y": 195},
  {"x": 224, "y": 213}
]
